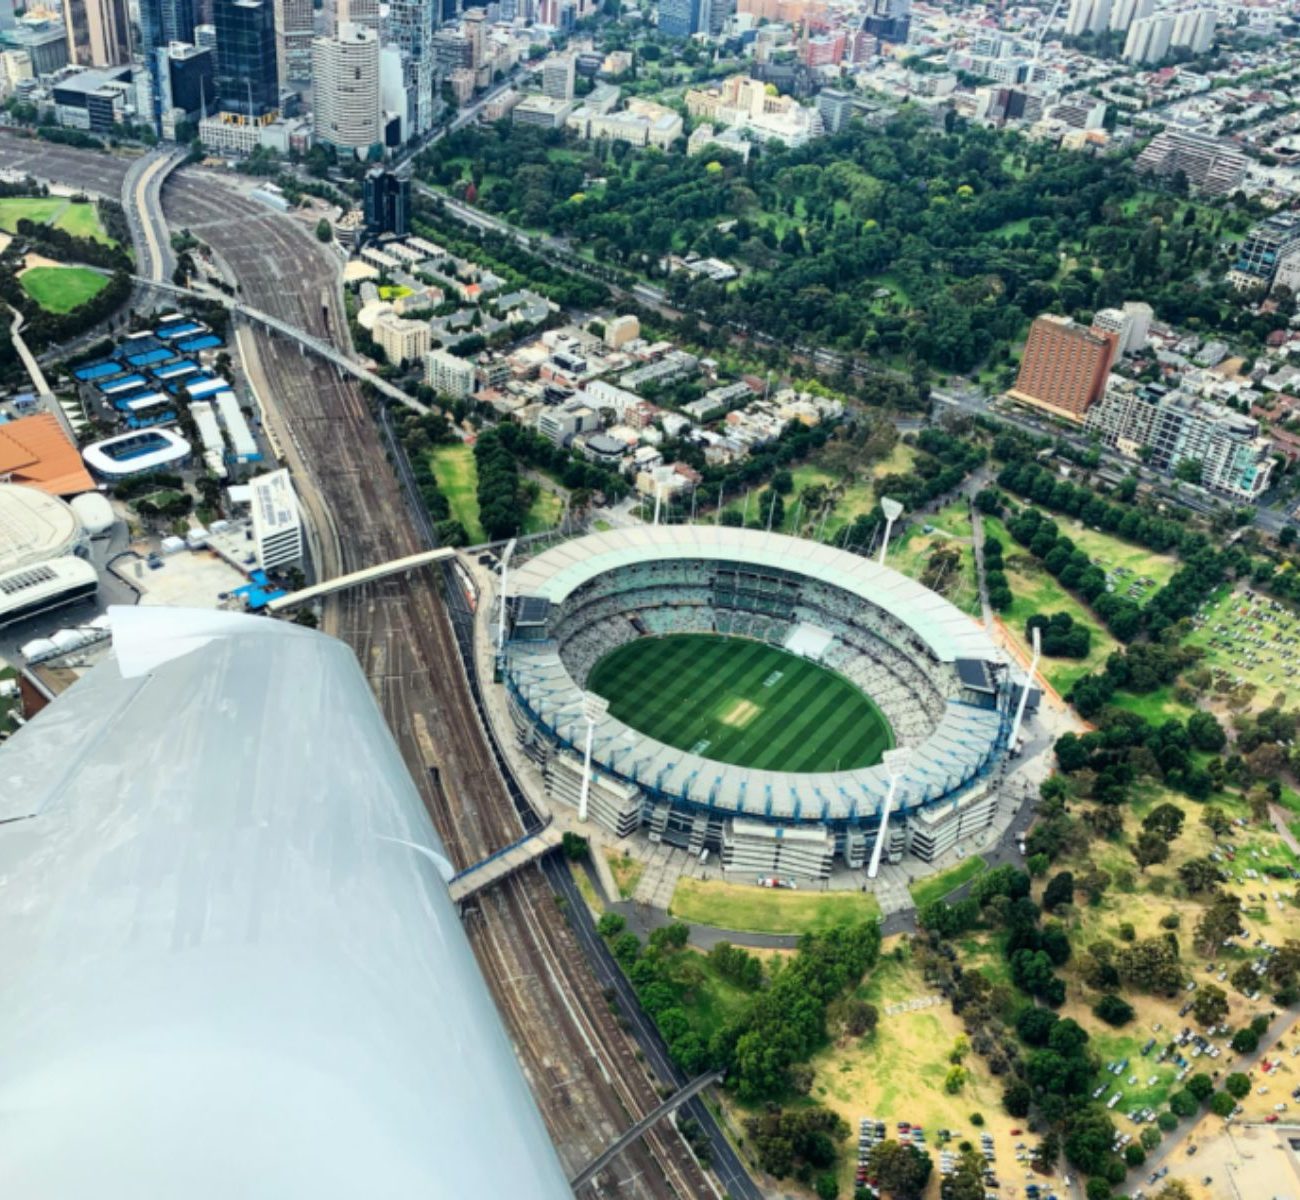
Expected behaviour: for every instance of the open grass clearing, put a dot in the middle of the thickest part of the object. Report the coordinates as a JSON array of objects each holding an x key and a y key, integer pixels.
[
  {"x": 754, "y": 909},
  {"x": 61, "y": 289},
  {"x": 950, "y": 528},
  {"x": 544, "y": 513},
  {"x": 1034, "y": 591},
  {"x": 82, "y": 220},
  {"x": 78, "y": 219},
  {"x": 627, "y": 872},
  {"x": 1231, "y": 621},
  {"x": 936, "y": 887},
  {"x": 898, "y": 1073},
  {"x": 457, "y": 479}
]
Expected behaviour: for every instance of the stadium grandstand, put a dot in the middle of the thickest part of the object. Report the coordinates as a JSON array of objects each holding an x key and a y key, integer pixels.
[{"x": 707, "y": 603}]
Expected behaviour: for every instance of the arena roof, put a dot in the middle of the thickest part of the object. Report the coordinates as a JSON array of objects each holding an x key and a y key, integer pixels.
[
  {"x": 232, "y": 967},
  {"x": 948, "y": 631},
  {"x": 34, "y": 527},
  {"x": 35, "y": 450}
]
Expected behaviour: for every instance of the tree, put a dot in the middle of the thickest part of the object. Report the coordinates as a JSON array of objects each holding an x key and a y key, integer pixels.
[
  {"x": 1165, "y": 820},
  {"x": 1245, "y": 1041},
  {"x": 901, "y": 1171},
  {"x": 1059, "y": 891},
  {"x": 610, "y": 925},
  {"x": 1199, "y": 875},
  {"x": 1210, "y": 1005},
  {"x": 323, "y": 231},
  {"x": 1183, "y": 1104},
  {"x": 1149, "y": 849},
  {"x": 1113, "y": 1010},
  {"x": 575, "y": 847},
  {"x": 1237, "y": 1085},
  {"x": 1205, "y": 732},
  {"x": 1201, "y": 1086},
  {"x": 1220, "y": 921},
  {"x": 1222, "y": 1104}
]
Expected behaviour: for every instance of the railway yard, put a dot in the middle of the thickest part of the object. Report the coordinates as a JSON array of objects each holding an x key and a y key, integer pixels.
[{"x": 585, "y": 1070}]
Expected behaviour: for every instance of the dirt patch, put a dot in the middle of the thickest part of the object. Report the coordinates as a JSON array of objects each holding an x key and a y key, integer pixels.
[{"x": 37, "y": 260}]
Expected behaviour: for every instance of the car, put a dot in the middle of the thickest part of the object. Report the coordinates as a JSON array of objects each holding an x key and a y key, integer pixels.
[
  {"x": 1191, "y": 1150},
  {"x": 1015, "y": 1133},
  {"x": 1271, "y": 1119}
]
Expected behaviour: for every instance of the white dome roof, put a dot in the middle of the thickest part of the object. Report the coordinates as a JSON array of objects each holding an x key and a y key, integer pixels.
[{"x": 34, "y": 527}]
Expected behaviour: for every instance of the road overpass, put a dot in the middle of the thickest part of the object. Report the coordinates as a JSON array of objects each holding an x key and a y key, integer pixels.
[{"x": 368, "y": 575}]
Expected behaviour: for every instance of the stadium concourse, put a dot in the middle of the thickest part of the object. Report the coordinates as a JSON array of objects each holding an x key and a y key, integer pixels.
[{"x": 922, "y": 669}]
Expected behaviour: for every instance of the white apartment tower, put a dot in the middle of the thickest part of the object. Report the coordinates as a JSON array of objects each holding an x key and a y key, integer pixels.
[
  {"x": 1124, "y": 12},
  {"x": 1076, "y": 19},
  {"x": 294, "y": 31},
  {"x": 1149, "y": 39},
  {"x": 1194, "y": 29},
  {"x": 345, "y": 88}
]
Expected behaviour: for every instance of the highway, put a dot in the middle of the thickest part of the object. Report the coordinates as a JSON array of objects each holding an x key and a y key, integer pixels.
[{"x": 584, "y": 1069}]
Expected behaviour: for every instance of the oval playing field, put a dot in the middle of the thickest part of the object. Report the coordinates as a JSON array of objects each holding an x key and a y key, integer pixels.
[{"x": 739, "y": 701}]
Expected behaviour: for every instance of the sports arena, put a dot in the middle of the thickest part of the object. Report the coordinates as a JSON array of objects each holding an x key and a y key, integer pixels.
[{"x": 748, "y": 685}]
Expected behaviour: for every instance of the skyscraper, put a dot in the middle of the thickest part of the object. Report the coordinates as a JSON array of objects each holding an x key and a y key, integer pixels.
[
  {"x": 345, "y": 88},
  {"x": 1064, "y": 367},
  {"x": 559, "y": 74},
  {"x": 1148, "y": 39},
  {"x": 247, "y": 81},
  {"x": 889, "y": 20},
  {"x": 410, "y": 28},
  {"x": 294, "y": 30},
  {"x": 161, "y": 23},
  {"x": 680, "y": 18},
  {"x": 387, "y": 202},
  {"x": 99, "y": 32},
  {"x": 1125, "y": 12}
]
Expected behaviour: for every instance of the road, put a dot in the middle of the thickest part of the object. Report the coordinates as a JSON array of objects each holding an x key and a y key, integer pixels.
[{"x": 584, "y": 1070}]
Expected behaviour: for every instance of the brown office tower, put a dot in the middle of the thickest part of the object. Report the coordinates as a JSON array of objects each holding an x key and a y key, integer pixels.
[
  {"x": 99, "y": 32},
  {"x": 1064, "y": 367}
]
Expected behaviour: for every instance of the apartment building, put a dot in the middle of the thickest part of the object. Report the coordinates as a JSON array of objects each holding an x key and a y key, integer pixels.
[
  {"x": 1263, "y": 248},
  {"x": 402, "y": 341},
  {"x": 1167, "y": 428},
  {"x": 1064, "y": 367},
  {"x": 449, "y": 375}
]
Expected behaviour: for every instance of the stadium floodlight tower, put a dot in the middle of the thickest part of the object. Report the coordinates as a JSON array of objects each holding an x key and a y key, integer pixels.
[
  {"x": 895, "y": 761},
  {"x": 593, "y": 709},
  {"x": 892, "y": 509},
  {"x": 1029, "y": 682},
  {"x": 501, "y": 616}
]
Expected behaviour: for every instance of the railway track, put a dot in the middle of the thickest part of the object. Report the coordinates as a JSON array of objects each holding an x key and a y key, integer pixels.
[{"x": 582, "y": 1065}]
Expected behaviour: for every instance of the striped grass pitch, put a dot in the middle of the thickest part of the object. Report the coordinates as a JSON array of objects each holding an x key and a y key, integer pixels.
[{"x": 740, "y": 701}]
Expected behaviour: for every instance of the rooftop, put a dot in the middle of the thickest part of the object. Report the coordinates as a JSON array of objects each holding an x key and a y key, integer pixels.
[{"x": 35, "y": 450}]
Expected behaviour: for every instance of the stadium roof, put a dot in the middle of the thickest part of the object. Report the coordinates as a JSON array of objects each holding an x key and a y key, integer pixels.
[
  {"x": 232, "y": 967},
  {"x": 948, "y": 631},
  {"x": 34, "y": 527},
  {"x": 35, "y": 450}
]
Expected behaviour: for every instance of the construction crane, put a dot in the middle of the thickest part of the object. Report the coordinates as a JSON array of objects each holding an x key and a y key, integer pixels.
[{"x": 1042, "y": 32}]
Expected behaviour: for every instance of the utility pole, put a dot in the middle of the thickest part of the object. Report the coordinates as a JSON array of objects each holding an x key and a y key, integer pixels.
[{"x": 896, "y": 763}]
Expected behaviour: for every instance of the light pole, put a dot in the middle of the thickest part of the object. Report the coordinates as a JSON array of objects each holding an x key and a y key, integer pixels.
[
  {"x": 1029, "y": 682},
  {"x": 895, "y": 763},
  {"x": 892, "y": 509},
  {"x": 659, "y": 495},
  {"x": 593, "y": 709},
  {"x": 501, "y": 615}
]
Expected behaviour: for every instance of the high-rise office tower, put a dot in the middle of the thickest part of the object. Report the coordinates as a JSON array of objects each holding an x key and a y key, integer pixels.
[
  {"x": 99, "y": 32},
  {"x": 889, "y": 20},
  {"x": 559, "y": 75},
  {"x": 680, "y": 18},
  {"x": 345, "y": 88},
  {"x": 166, "y": 21},
  {"x": 410, "y": 28},
  {"x": 718, "y": 13},
  {"x": 294, "y": 31},
  {"x": 247, "y": 81},
  {"x": 1064, "y": 367},
  {"x": 351, "y": 12},
  {"x": 387, "y": 202},
  {"x": 473, "y": 22},
  {"x": 445, "y": 11}
]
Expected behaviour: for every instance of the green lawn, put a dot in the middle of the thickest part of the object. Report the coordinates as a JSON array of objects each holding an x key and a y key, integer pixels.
[
  {"x": 1036, "y": 591},
  {"x": 948, "y": 528},
  {"x": 938, "y": 886},
  {"x": 740, "y": 701},
  {"x": 457, "y": 477},
  {"x": 80, "y": 220},
  {"x": 545, "y": 512},
  {"x": 1231, "y": 609},
  {"x": 37, "y": 208},
  {"x": 755, "y": 909},
  {"x": 61, "y": 289}
]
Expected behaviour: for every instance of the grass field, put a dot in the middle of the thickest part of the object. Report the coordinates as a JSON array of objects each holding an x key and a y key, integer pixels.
[
  {"x": 453, "y": 468},
  {"x": 948, "y": 528},
  {"x": 544, "y": 513},
  {"x": 936, "y": 887},
  {"x": 80, "y": 220},
  {"x": 61, "y": 289},
  {"x": 767, "y": 910},
  {"x": 740, "y": 701}
]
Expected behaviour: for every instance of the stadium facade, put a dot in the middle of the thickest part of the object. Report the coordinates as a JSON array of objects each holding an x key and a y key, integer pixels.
[{"x": 932, "y": 670}]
